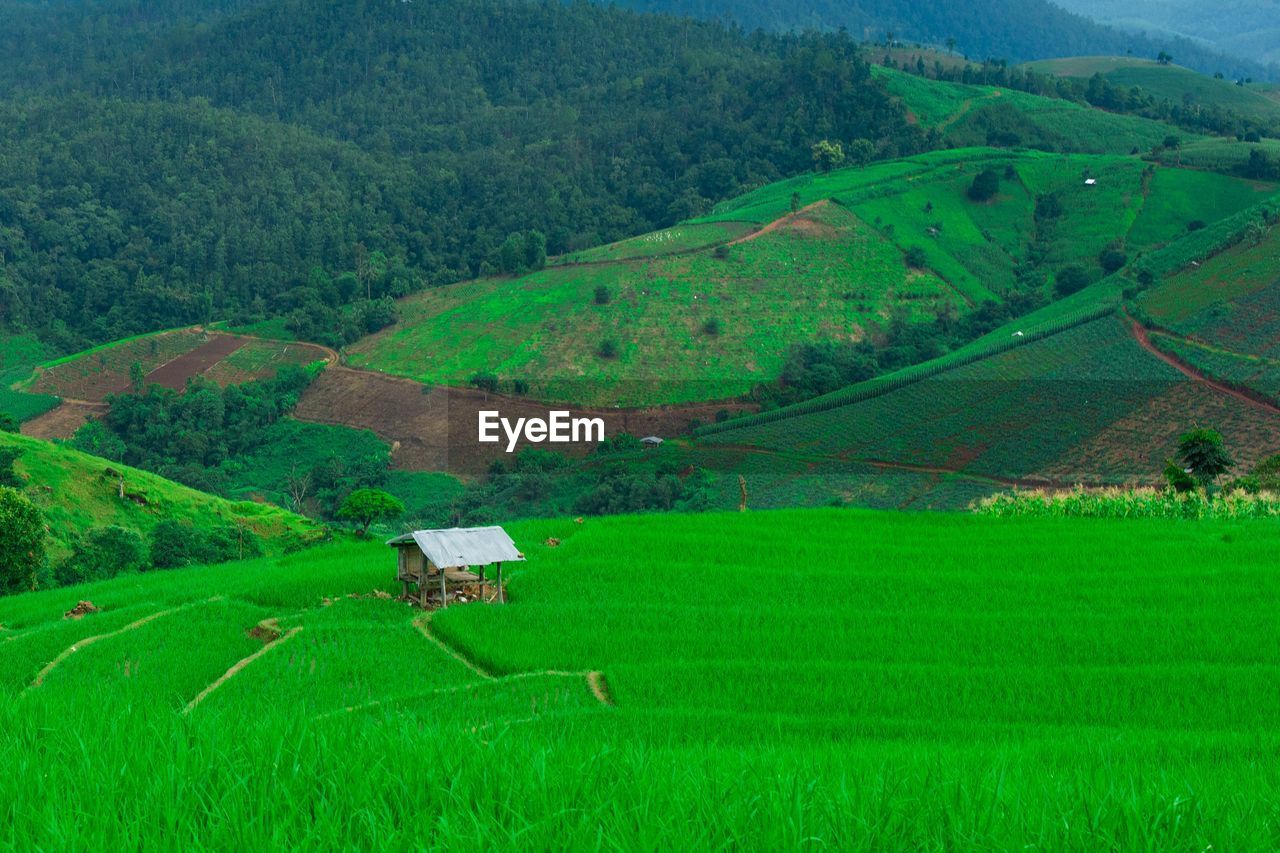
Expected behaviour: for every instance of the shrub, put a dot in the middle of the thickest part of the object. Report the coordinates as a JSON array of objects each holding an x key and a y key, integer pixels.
[
  {"x": 916, "y": 258},
  {"x": 175, "y": 544},
  {"x": 1070, "y": 280},
  {"x": 8, "y": 476},
  {"x": 103, "y": 553},
  {"x": 712, "y": 326},
  {"x": 985, "y": 185},
  {"x": 1048, "y": 206},
  {"x": 603, "y": 297},
  {"x": 22, "y": 542},
  {"x": 1267, "y": 473},
  {"x": 608, "y": 349},
  {"x": 486, "y": 382},
  {"x": 1112, "y": 260}
]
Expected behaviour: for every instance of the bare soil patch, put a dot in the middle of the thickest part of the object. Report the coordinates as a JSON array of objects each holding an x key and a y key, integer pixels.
[
  {"x": 791, "y": 222},
  {"x": 435, "y": 428},
  {"x": 63, "y": 421},
  {"x": 174, "y": 374},
  {"x": 81, "y": 610}
]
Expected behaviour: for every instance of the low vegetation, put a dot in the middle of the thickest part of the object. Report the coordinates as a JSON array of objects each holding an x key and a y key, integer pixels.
[
  {"x": 902, "y": 672},
  {"x": 96, "y": 514}
]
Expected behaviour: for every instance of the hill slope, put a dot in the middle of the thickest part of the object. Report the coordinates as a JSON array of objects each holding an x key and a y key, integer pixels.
[
  {"x": 1029, "y": 658},
  {"x": 1170, "y": 82},
  {"x": 78, "y": 492},
  {"x": 675, "y": 316}
]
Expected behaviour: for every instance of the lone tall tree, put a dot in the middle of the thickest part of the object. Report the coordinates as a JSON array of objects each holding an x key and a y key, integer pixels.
[
  {"x": 365, "y": 506},
  {"x": 1202, "y": 453}
]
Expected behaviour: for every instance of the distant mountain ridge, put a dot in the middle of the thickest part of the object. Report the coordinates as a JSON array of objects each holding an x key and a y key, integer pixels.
[
  {"x": 1016, "y": 30},
  {"x": 1246, "y": 28}
]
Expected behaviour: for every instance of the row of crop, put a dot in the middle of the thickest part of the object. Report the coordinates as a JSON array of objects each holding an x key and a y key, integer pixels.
[
  {"x": 1128, "y": 503},
  {"x": 878, "y": 387}
]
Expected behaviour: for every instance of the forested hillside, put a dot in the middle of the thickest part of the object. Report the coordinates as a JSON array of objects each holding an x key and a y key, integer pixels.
[
  {"x": 206, "y": 174},
  {"x": 1015, "y": 30}
]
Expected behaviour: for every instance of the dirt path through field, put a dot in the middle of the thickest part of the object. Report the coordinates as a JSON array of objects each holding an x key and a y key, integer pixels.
[
  {"x": 1143, "y": 338},
  {"x": 241, "y": 664},
  {"x": 781, "y": 222},
  {"x": 88, "y": 641},
  {"x": 423, "y": 624}
]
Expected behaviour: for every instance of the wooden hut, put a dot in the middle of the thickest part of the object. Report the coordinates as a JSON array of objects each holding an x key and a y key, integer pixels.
[{"x": 430, "y": 563}]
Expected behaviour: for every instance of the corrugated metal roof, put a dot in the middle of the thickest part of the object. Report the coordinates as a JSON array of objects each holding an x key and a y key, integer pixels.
[{"x": 463, "y": 546}]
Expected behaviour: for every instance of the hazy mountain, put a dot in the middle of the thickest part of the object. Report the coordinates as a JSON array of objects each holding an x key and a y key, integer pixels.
[
  {"x": 1016, "y": 30},
  {"x": 1247, "y": 28}
]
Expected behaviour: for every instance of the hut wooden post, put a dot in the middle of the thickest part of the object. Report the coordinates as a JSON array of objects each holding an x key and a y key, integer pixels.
[
  {"x": 502, "y": 596},
  {"x": 444, "y": 593},
  {"x": 482, "y": 589}
]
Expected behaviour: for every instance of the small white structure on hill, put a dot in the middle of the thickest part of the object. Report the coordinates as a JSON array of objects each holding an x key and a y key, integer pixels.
[
  {"x": 435, "y": 560},
  {"x": 651, "y": 441}
]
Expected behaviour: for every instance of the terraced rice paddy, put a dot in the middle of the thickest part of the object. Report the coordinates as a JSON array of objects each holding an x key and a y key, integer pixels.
[{"x": 899, "y": 681}]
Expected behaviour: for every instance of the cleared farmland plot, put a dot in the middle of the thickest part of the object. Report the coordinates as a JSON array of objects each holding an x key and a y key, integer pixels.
[
  {"x": 898, "y": 681},
  {"x": 169, "y": 359}
]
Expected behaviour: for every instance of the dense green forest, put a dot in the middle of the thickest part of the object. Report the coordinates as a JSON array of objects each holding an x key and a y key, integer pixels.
[
  {"x": 178, "y": 173},
  {"x": 1014, "y": 30}
]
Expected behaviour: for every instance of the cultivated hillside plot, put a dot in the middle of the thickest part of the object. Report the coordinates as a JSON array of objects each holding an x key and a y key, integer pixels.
[
  {"x": 170, "y": 359},
  {"x": 1088, "y": 405},
  {"x": 435, "y": 428},
  {"x": 712, "y": 315},
  {"x": 895, "y": 677},
  {"x": 685, "y": 326},
  {"x": 1223, "y": 316},
  {"x": 967, "y": 114},
  {"x": 1170, "y": 82}
]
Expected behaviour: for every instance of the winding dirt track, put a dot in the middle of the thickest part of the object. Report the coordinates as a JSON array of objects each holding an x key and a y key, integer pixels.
[
  {"x": 1143, "y": 338},
  {"x": 781, "y": 222}
]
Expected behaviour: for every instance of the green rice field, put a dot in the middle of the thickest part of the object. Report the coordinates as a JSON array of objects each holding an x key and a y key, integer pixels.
[{"x": 898, "y": 681}]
